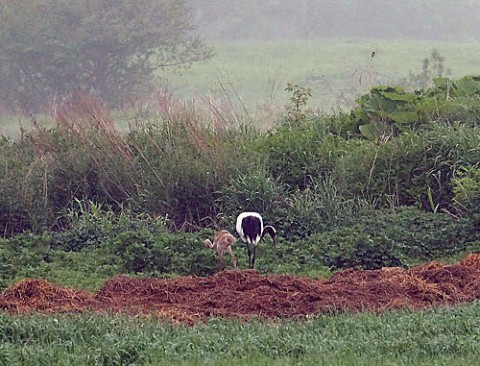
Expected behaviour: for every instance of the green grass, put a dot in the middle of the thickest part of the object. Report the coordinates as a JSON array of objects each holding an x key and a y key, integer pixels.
[
  {"x": 434, "y": 337},
  {"x": 84, "y": 270}
]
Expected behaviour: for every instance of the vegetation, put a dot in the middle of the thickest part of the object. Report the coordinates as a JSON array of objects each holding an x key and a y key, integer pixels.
[
  {"x": 53, "y": 49},
  {"x": 392, "y": 182},
  {"x": 395, "y": 149},
  {"x": 441, "y": 336}
]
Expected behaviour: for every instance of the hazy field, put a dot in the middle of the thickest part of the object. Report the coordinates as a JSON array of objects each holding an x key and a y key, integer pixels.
[
  {"x": 253, "y": 75},
  {"x": 331, "y": 67},
  {"x": 83, "y": 203}
]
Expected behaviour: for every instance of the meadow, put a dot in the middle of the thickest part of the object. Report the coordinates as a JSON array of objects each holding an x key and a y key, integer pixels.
[
  {"x": 89, "y": 193},
  {"x": 438, "y": 336}
]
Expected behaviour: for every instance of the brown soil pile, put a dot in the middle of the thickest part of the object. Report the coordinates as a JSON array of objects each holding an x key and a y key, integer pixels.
[{"x": 246, "y": 294}]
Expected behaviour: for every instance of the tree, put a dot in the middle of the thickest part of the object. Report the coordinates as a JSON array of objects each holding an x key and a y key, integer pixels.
[{"x": 109, "y": 48}]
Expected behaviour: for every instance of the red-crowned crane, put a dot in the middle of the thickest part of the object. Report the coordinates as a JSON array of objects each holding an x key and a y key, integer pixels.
[
  {"x": 250, "y": 228},
  {"x": 222, "y": 243}
]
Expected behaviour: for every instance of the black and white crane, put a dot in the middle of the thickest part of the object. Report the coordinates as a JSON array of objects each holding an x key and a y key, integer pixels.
[{"x": 251, "y": 230}]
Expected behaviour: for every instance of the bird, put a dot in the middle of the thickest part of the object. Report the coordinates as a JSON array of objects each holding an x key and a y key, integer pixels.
[
  {"x": 251, "y": 230},
  {"x": 222, "y": 243}
]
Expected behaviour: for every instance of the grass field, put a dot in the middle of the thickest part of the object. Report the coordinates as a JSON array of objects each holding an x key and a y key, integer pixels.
[
  {"x": 250, "y": 77},
  {"x": 331, "y": 67},
  {"x": 434, "y": 337}
]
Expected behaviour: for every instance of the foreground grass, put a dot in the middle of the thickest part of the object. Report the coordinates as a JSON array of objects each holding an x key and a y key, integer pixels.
[{"x": 438, "y": 336}]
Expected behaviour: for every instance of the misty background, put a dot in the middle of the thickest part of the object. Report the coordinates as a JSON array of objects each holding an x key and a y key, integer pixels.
[
  {"x": 327, "y": 46},
  {"x": 448, "y": 20},
  {"x": 236, "y": 53}
]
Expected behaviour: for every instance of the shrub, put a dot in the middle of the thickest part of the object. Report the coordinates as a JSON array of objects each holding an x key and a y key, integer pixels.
[
  {"x": 251, "y": 190},
  {"x": 466, "y": 191},
  {"x": 352, "y": 247},
  {"x": 296, "y": 154},
  {"x": 141, "y": 251},
  {"x": 415, "y": 168},
  {"x": 318, "y": 208},
  {"x": 22, "y": 255},
  {"x": 390, "y": 238},
  {"x": 422, "y": 234},
  {"x": 445, "y": 149}
]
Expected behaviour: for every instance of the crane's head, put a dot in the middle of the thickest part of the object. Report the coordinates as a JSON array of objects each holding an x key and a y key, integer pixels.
[
  {"x": 270, "y": 230},
  {"x": 208, "y": 244}
]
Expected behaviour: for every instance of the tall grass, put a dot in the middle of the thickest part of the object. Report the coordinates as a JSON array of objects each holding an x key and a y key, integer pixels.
[
  {"x": 172, "y": 164},
  {"x": 196, "y": 170},
  {"x": 198, "y": 165},
  {"x": 437, "y": 336}
]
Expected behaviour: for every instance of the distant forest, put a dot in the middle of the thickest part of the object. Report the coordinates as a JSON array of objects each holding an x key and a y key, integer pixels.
[{"x": 455, "y": 20}]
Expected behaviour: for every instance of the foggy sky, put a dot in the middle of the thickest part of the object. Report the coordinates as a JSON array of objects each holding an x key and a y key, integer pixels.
[{"x": 455, "y": 20}]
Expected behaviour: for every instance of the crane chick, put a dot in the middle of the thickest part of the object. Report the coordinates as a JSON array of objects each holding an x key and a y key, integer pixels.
[{"x": 222, "y": 243}]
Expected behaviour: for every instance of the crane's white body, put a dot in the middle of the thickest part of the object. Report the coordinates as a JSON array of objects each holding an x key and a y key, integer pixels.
[
  {"x": 250, "y": 228},
  {"x": 253, "y": 235}
]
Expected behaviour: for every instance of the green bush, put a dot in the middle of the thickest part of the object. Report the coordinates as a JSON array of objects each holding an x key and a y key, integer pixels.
[
  {"x": 17, "y": 193},
  {"x": 22, "y": 255},
  {"x": 467, "y": 188},
  {"x": 135, "y": 244},
  {"x": 318, "y": 208},
  {"x": 415, "y": 168},
  {"x": 141, "y": 251},
  {"x": 466, "y": 191},
  {"x": 392, "y": 238},
  {"x": 422, "y": 234},
  {"x": 251, "y": 190},
  {"x": 296, "y": 154},
  {"x": 103, "y": 245},
  {"x": 445, "y": 149},
  {"x": 351, "y": 247}
]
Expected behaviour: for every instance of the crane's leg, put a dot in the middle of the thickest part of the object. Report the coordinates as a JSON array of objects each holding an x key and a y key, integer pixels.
[
  {"x": 249, "y": 254},
  {"x": 234, "y": 259},
  {"x": 220, "y": 261},
  {"x": 254, "y": 255}
]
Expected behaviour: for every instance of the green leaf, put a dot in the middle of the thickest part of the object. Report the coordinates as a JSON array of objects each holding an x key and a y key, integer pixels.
[
  {"x": 466, "y": 86},
  {"x": 370, "y": 131},
  {"x": 403, "y": 117},
  {"x": 399, "y": 97}
]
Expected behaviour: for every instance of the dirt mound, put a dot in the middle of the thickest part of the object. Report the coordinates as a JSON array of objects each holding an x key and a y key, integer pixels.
[
  {"x": 246, "y": 294},
  {"x": 41, "y": 295}
]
